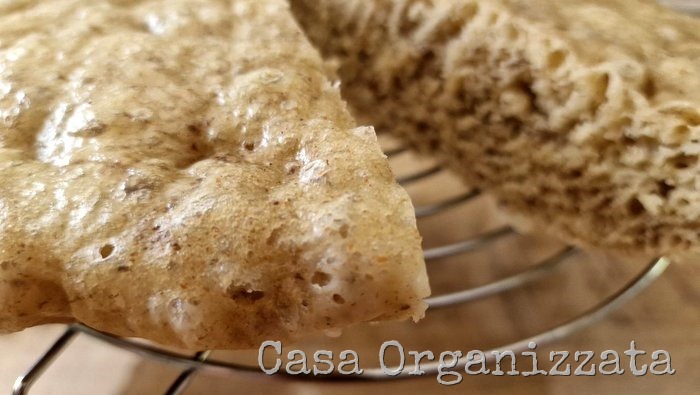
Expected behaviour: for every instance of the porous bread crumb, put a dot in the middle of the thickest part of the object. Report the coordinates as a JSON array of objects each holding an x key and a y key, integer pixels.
[
  {"x": 183, "y": 171},
  {"x": 581, "y": 116}
]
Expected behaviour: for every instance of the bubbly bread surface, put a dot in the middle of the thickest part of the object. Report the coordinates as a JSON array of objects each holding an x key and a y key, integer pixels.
[
  {"x": 581, "y": 117},
  {"x": 184, "y": 171}
]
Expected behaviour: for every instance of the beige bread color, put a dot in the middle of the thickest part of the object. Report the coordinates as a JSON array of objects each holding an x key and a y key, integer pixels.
[
  {"x": 581, "y": 116},
  {"x": 183, "y": 171}
]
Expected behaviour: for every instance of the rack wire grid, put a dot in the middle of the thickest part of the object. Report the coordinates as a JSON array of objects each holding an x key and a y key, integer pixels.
[{"x": 193, "y": 363}]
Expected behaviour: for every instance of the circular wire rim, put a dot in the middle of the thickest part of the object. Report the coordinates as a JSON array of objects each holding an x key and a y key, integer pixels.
[{"x": 653, "y": 271}]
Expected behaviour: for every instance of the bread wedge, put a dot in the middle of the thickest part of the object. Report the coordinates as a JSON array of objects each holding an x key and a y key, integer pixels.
[
  {"x": 184, "y": 171},
  {"x": 581, "y": 117}
]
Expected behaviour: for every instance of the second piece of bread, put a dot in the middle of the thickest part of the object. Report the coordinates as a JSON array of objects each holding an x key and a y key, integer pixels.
[{"x": 581, "y": 116}]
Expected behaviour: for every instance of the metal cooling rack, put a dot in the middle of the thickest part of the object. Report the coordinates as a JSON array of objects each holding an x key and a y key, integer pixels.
[{"x": 192, "y": 363}]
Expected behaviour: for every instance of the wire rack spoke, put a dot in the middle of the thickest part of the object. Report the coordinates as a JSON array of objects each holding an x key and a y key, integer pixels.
[
  {"x": 437, "y": 208},
  {"x": 469, "y": 245},
  {"x": 180, "y": 384},
  {"x": 25, "y": 382},
  {"x": 535, "y": 273},
  {"x": 421, "y": 175},
  {"x": 396, "y": 151}
]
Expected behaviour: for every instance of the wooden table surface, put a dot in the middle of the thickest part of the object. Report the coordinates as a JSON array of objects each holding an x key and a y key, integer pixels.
[{"x": 665, "y": 316}]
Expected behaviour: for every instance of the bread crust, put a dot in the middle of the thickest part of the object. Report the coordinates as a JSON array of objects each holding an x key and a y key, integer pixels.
[{"x": 184, "y": 171}]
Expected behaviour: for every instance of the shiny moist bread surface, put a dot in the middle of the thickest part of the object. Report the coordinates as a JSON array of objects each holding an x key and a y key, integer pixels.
[{"x": 184, "y": 171}]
